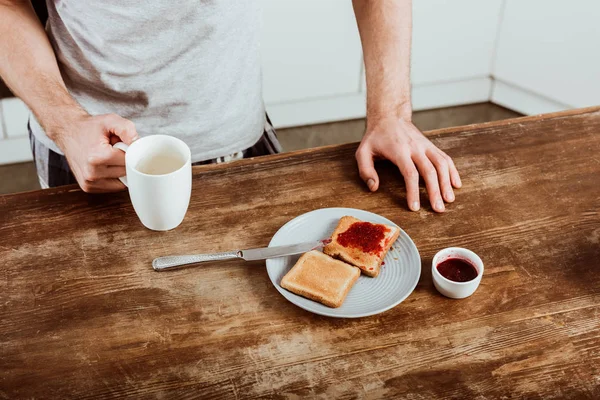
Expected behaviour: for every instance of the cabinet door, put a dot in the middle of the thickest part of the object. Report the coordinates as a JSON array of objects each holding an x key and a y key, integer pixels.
[
  {"x": 310, "y": 49},
  {"x": 453, "y": 40},
  {"x": 549, "y": 50},
  {"x": 452, "y": 51}
]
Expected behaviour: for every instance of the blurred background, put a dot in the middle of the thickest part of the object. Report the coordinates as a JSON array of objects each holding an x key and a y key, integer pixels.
[{"x": 472, "y": 61}]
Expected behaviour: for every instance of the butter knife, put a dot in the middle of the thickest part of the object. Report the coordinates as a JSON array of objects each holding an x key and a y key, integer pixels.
[{"x": 164, "y": 263}]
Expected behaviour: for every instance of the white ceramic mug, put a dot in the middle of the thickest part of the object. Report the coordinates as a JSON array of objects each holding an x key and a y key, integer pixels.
[{"x": 159, "y": 199}]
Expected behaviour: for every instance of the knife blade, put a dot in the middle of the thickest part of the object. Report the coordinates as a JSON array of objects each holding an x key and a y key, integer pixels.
[
  {"x": 168, "y": 262},
  {"x": 280, "y": 251}
]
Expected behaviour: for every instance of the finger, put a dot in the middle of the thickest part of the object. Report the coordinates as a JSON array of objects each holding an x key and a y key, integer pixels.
[
  {"x": 99, "y": 173},
  {"x": 123, "y": 128},
  {"x": 110, "y": 172},
  {"x": 443, "y": 171},
  {"x": 366, "y": 167},
  {"x": 115, "y": 157},
  {"x": 429, "y": 174},
  {"x": 107, "y": 156},
  {"x": 103, "y": 186},
  {"x": 454, "y": 176},
  {"x": 114, "y": 139},
  {"x": 115, "y": 172},
  {"x": 411, "y": 179}
]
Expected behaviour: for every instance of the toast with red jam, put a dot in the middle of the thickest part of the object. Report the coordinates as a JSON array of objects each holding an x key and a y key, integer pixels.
[{"x": 362, "y": 244}]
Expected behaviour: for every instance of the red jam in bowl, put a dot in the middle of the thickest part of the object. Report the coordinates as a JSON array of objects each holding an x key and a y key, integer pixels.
[{"x": 457, "y": 270}]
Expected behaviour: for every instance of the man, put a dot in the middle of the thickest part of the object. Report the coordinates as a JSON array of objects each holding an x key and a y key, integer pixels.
[{"x": 111, "y": 70}]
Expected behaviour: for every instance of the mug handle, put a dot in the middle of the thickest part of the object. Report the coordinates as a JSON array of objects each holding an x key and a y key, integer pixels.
[{"x": 123, "y": 147}]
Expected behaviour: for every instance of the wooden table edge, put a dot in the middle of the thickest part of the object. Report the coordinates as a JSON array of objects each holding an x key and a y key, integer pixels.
[
  {"x": 434, "y": 132},
  {"x": 335, "y": 147}
]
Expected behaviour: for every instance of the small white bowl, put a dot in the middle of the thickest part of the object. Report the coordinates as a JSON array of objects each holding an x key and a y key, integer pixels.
[{"x": 456, "y": 290}]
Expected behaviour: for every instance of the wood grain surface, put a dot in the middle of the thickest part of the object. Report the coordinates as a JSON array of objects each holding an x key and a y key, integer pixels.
[{"x": 83, "y": 315}]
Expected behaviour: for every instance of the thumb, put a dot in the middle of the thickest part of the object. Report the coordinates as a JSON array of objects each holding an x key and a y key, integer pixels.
[
  {"x": 366, "y": 168},
  {"x": 123, "y": 128}
]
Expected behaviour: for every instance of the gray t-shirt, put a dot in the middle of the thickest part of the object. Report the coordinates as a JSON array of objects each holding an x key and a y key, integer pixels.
[{"x": 186, "y": 68}]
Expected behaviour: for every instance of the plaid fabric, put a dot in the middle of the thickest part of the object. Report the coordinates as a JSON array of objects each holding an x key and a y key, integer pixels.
[
  {"x": 53, "y": 169},
  {"x": 267, "y": 144}
]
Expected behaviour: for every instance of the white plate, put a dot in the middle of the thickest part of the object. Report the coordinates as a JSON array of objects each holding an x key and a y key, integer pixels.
[{"x": 369, "y": 296}]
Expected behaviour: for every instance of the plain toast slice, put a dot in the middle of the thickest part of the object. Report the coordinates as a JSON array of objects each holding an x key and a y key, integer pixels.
[
  {"x": 363, "y": 244},
  {"x": 321, "y": 278}
]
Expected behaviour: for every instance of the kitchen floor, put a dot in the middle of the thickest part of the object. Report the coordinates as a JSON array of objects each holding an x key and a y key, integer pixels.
[{"x": 22, "y": 177}]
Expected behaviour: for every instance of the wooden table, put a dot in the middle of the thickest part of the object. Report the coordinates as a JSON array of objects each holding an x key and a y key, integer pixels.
[{"x": 83, "y": 315}]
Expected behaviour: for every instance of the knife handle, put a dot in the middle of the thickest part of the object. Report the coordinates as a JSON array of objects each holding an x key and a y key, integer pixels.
[{"x": 162, "y": 263}]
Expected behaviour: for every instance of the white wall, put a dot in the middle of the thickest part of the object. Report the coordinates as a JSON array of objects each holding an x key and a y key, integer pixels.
[{"x": 548, "y": 50}]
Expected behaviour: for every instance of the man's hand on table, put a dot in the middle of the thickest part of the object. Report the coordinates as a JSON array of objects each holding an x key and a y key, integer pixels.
[
  {"x": 87, "y": 144},
  {"x": 385, "y": 32},
  {"x": 398, "y": 140}
]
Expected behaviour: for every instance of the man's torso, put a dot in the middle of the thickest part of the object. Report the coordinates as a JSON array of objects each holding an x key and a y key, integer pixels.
[{"x": 185, "y": 68}]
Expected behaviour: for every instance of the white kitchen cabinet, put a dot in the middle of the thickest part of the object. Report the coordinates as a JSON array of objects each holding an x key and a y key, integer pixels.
[
  {"x": 452, "y": 51},
  {"x": 312, "y": 66},
  {"x": 453, "y": 40},
  {"x": 310, "y": 50},
  {"x": 14, "y": 141},
  {"x": 548, "y": 55}
]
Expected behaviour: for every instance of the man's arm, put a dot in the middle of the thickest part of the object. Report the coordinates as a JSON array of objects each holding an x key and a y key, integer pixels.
[
  {"x": 385, "y": 30},
  {"x": 29, "y": 68}
]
